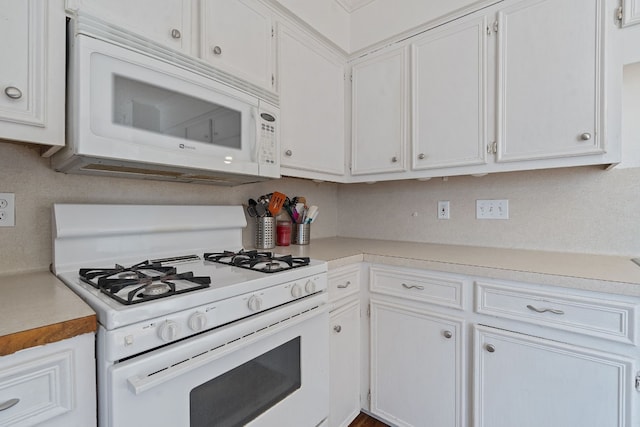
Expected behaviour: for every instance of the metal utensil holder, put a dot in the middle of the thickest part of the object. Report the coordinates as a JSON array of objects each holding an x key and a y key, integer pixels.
[
  {"x": 300, "y": 234},
  {"x": 265, "y": 230}
]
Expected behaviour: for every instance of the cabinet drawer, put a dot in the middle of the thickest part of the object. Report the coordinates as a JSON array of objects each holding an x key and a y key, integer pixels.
[
  {"x": 36, "y": 391},
  {"x": 609, "y": 319},
  {"x": 344, "y": 282},
  {"x": 418, "y": 286}
]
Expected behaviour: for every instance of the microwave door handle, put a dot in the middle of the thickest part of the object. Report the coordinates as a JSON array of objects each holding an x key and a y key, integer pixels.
[{"x": 256, "y": 126}]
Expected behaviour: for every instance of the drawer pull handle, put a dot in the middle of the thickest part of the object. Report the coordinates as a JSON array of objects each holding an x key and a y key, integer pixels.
[
  {"x": 346, "y": 285},
  {"x": 13, "y": 92},
  {"x": 418, "y": 287},
  {"x": 337, "y": 328},
  {"x": 9, "y": 404},
  {"x": 544, "y": 310}
]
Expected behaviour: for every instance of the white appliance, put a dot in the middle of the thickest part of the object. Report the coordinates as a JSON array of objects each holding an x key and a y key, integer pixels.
[
  {"x": 137, "y": 109},
  {"x": 189, "y": 334}
]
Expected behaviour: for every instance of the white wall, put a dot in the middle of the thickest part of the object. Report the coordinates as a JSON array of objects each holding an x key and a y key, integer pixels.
[{"x": 27, "y": 246}]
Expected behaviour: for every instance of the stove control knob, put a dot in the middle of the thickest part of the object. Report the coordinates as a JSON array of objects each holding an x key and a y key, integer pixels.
[
  {"x": 296, "y": 291},
  {"x": 197, "y": 321},
  {"x": 168, "y": 330},
  {"x": 255, "y": 303},
  {"x": 310, "y": 287}
]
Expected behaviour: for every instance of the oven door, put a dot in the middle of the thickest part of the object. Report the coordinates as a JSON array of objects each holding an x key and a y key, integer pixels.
[{"x": 267, "y": 370}]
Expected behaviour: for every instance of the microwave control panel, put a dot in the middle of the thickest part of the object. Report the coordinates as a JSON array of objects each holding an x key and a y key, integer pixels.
[{"x": 267, "y": 134}]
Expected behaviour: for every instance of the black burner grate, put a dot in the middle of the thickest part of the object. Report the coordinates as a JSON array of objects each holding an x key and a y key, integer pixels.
[{"x": 265, "y": 262}]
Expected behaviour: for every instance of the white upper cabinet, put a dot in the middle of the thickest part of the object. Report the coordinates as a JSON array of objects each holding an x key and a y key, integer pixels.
[
  {"x": 630, "y": 12},
  {"x": 449, "y": 95},
  {"x": 380, "y": 98},
  {"x": 32, "y": 48},
  {"x": 311, "y": 83},
  {"x": 167, "y": 22},
  {"x": 549, "y": 79},
  {"x": 237, "y": 36}
]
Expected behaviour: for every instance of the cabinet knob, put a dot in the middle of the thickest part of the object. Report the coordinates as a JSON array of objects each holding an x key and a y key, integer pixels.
[
  {"x": 394, "y": 159},
  {"x": 288, "y": 153},
  {"x": 447, "y": 334},
  {"x": 217, "y": 50},
  {"x": 421, "y": 156},
  {"x": 13, "y": 92},
  {"x": 175, "y": 33},
  {"x": 337, "y": 328},
  {"x": 585, "y": 136},
  {"x": 9, "y": 404},
  {"x": 490, "y": 348}
]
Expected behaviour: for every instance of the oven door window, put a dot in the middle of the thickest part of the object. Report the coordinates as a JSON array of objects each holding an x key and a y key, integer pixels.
[{"x": 242, "y": 394}]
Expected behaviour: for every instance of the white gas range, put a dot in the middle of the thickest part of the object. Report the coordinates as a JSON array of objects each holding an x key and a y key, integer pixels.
[{"x": 194, "y": 331}]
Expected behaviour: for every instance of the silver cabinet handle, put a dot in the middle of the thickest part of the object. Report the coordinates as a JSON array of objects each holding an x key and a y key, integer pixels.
[
  {"x": 8, "y": 404},
  {"x": 13, "y": 92},
  {"x": 421, "y": 156},
  {"x": 217, "y": 50},
  {"x": 418, "y": 287},
  {"x": 175, "y": 33},
  {"x": 490, "y": 348},
  {"x": 447, "y": 334},
  {"x": 585, "y": 136},
  {"x": 394, "y": 159},
  {"x": 544, "y": 310},
  {"x": 337, "y": 328},
  {"x": 288, "y": 153},
  {"x": 346, "y": 285}
]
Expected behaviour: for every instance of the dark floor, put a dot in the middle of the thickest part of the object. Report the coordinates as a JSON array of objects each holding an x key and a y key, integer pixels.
[{"x": 363, "y": 420}]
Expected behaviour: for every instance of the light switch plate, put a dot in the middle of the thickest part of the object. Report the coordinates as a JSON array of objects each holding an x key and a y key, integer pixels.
[
  {"x": 7, "y": 210},
  {"x": 492, "y": 209}
]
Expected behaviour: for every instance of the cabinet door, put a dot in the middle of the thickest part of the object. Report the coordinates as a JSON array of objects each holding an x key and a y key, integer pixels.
[
  {"x": 32, "y": 73},
  {"x": 167, "y": 22},
  {"x": 527, "y": 381},
  {"x": 344, "y": 369},
  {"x": 549, "y": 79},
  {"x": 450, "y": 99},
  {"x": 312, "y": 106},
  {"x": 236, "y": 36},
  {"x": 416, "y": 367},
  {"x": 379, "y": 113},
  {"x": 630, "y": 12}
]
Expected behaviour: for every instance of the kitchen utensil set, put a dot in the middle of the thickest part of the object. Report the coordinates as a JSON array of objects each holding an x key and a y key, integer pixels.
[{"x": 272, "y": 204}]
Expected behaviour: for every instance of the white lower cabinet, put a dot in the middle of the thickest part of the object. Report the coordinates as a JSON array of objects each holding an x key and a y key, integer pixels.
[
  {"x": 527, "y": 381},
  {"x": 52, "y": 385},
  {"x": 416, "y": 366}
]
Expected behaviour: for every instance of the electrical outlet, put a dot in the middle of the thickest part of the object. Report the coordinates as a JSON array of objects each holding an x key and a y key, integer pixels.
[
  {"x": 7, "y": 210},
  {"x": 492, "y": 209},
  {"x": 443, "y": 209}
]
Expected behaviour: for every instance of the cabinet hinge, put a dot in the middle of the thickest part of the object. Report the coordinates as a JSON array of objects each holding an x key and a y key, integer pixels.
[
  {"x": 638, "y": 381},
  {"x": 368, "y": 310},
  {"x": 273, "y": 80},
  {"x": 492, "y": 148},
  {"x": 619, "y": 14},
  {"x": 495, "y": 27},
  {"x": 272, "y": 32},
  {"x": 369, "y": 396},
  {"x": 492, "y": 28}
]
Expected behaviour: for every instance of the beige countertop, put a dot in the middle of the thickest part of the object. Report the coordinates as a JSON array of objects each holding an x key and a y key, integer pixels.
[
  {"x": 611, "y": 274},
  {"x": 38, "y": 309}
]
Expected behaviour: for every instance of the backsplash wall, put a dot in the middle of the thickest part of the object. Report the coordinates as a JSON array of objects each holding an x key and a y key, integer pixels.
[
  {"x": 585, "y": 210},
  {"x": 27, "y": 246}
]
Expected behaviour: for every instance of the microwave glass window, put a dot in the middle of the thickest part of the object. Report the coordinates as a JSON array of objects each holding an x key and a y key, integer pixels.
[
  {"x": 242, "y": 394},
  {"x": 154, "y": 109}
]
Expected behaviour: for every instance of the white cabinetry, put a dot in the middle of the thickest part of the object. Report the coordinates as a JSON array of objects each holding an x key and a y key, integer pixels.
[
  {"x": 449, "y": 95},
  {"x": 630, "y": 12},
  {"x": 380, "y": 97},
  {"x": 238, "y": 37},
  {"x": 32, "y": 72},
  {"x": 311, "y": 85},
  {"x": 167, "y": 22},
  {"x": 527, "y": 381},
  {"x": 344, "y": 368},
  {"x": 550, "y": 79},
  {"x": 52, "y": 385},
  {"x": 417, "y": 351}
]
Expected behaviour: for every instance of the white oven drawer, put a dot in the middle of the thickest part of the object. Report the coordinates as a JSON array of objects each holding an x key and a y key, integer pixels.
[
  {"x": 344, "y": 282},
  {"x": 438, "y": 289},
  {"x": 610, "y": 319}
]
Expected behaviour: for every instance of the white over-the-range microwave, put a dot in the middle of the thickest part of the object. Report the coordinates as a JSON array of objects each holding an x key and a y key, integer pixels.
[{"x": 137, "y": 110}]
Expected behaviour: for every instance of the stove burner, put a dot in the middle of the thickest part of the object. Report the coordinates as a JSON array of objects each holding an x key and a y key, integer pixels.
[
  {"x": 265, "y": 262},
  {"x": 142, "y": 282}
]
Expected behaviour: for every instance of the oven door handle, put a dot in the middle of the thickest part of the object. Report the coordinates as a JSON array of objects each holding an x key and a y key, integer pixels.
[{"x": 140, "y": 384}]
